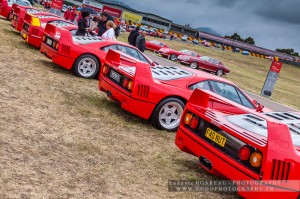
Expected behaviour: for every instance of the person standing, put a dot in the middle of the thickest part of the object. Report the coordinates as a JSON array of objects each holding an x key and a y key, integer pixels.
[
  {"x": 104, "y": 18},
  {"x": 83, "y": 24},
  {"x": 141, "y": 42},
  {"x": 110, "y": 32},
  {"x": 67, "y": 14},
  {"x": 73, "y": 14},
  {"x": 133, "y": 35}
]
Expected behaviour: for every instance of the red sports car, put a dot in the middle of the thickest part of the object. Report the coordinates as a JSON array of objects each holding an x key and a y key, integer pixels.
[
  {"x": 260, "y": 149},
  {"x": 34, "y": 26},
  {"x": 82, "y": 54},
  {"x": 205, "y": 63},
  {"x": 160, "y": 92},
  {"x": 155, "y": 45},
  {"x": 19, "y": 14},
  {"x": 173, "y": 54},
  {"x": 6, "y": 6}
]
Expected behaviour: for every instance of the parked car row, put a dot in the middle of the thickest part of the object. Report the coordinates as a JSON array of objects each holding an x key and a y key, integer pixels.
[
  {"x": 188, "y": 57},
  {"x": 230, "y": 133}
]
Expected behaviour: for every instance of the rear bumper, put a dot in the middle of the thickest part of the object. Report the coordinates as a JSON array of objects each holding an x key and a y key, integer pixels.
[
  {"x": 63, "y": 61},
  {"x": 31, "y": 39},
  {"x": 187, "y": 142},
  {"x": 128, "y": 103}
]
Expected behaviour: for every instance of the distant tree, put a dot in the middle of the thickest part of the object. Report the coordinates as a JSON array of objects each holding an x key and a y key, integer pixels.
[
  {"x": 250, "y": 40},
  {"x": 289, "y": 51},
  {"x": 237, "y": 37}
]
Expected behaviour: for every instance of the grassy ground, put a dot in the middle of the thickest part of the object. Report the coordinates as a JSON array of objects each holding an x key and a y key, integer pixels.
[
  {"x": 61, "y": 138},
  {"x": 249, "y": 72}
]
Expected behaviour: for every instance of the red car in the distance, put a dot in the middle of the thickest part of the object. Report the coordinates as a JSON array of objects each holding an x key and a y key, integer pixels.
[
  {"x": 159, "y": 93},
  {"x": 34, "y": 27},
  {"x": 205, "y": 63},
  {"x": 155, "y": 45},
  {"x": 6, "y": 6},
  {"x": 84, "y": 55},
  {"x": 173, "y": 54},
  {"x": 260, "y": 152},
  {"x": 19, "y": 14}
]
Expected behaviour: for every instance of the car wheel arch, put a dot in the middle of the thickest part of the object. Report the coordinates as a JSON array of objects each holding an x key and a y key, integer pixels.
[
  {"x": 91, "y": 54},
  {"x": 152, "y": 116}
]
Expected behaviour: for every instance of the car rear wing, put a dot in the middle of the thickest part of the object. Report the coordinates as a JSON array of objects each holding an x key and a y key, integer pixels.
[
  {"x": 140, "y": 72},
  {"x": 207, "y": 99},
  {"x": 58, "y": 33},
  {"x": 17, "y": 9}
]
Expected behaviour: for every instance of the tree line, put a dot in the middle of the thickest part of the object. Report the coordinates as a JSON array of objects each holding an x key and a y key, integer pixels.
[{"x": 250, "y": 40}]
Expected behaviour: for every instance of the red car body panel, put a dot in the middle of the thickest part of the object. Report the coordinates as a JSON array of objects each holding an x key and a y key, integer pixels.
[
  {"x": 167, "y": 52},
  {"x": 147, "y": 90},
  {"x": 280, "y": 158},
  {"x": 69, "y": 50},
  {"x": 155, "y": 45},
  {"x": 5, "y": 9},
  {"x": 34, "y": 27},
  {"x": 19, "y": 14}
]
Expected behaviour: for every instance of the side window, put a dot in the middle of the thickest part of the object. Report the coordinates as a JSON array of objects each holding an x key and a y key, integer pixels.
[
  {"x": 245, "y": 101},
  {"x": 129, "y": 51},
  {"x": 201, "y": 85},
  {"x": 106, "y": 48},
  {"x": 142, "y": 58},
  {"x": 161, "y": 44},
  {"x": 226, "y": 90}
]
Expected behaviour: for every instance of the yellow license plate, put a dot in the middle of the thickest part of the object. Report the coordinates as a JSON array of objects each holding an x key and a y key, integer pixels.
[
  {"x": 215, "y": 137},
  {"x": 24, "y": 35}
]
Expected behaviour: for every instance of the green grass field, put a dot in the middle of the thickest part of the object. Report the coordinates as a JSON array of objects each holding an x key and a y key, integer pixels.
[{"x": 248, "y": 72}]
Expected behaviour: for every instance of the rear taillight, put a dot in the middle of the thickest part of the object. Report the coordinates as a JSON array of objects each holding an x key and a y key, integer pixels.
[
  {"x": 191, "y": 120},
  {"x": 244, "y": 153},
  {"x": 256, "y": 159},
  {"x": 44, "y": 38},
  {"x": 128, "y": 84},
  {"x": 55, "y": 45},
  {"x": 105, "y": 69}
]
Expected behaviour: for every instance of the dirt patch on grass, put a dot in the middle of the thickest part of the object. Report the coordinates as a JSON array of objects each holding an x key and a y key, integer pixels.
[{"x": 61, "y": 138}]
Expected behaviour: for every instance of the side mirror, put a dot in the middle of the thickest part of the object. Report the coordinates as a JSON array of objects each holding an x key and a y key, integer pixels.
[
  {"x": 259, "y": 108},
  {"x": 255, "y": 102}
]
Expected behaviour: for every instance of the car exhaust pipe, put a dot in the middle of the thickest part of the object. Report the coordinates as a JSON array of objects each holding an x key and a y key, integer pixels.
[
  {"x": 205, "y": 162},
  {"x": 108, "y": 93}
]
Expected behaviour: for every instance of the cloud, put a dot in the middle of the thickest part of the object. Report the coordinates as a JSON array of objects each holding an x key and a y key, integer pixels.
[{"x": 273, "y": 24}]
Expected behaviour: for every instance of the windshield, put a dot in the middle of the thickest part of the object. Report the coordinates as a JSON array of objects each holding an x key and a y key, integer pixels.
[{"x": 22, "y": 3}]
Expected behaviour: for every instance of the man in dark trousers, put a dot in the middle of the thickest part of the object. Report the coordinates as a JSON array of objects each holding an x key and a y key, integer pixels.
[
  {"x": 133, "y": 35},
  {"x": 102, "y": 23},
  {"x": 141, "y": 42}
]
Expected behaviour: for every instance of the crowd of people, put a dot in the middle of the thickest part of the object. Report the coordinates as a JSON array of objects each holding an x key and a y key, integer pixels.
[{"x": 105, "y": 27}]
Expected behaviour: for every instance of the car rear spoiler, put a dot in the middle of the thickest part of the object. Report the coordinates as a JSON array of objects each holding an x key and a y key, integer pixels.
[
  {"x": 17, "y": 9},
  {"x": 28, "y": 18},
  {"x": 142, "y": 72},
  {"x": 14, "y": 6},
  {"x": 207, "y": 99},
  {"x": 58, "y": 33}
]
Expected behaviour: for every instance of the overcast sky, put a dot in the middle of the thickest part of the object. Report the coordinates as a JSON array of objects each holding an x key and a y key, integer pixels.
[{"x": 273, "y": 24}]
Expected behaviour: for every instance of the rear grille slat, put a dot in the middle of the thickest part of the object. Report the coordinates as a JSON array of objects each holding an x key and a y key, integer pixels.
[
  {"x": 143, "y": 90},
  {"x": 280, "y": 170},
  {"x": 65, "y": 49}
]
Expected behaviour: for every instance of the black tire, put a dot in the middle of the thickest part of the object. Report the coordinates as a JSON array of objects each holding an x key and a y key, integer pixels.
[
  {"x": 161, "y": 116},
  {"x": 173, "y": 57},
  {"x": 219, "y": 72},
  {"x": 86, "y": 66},
  {"x": 194, "y": 65}
]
